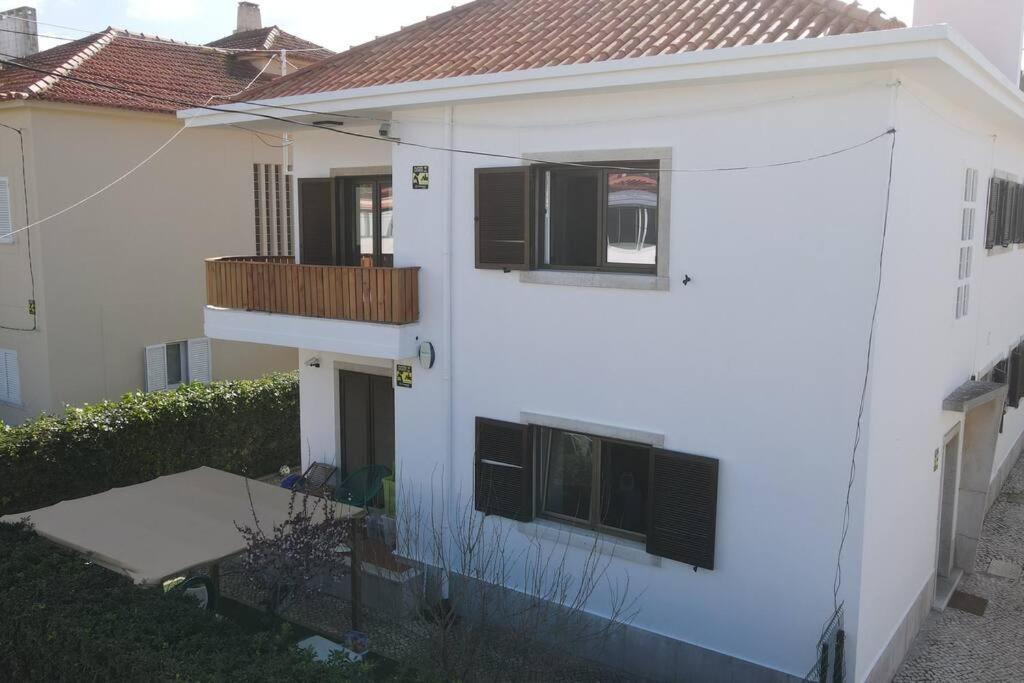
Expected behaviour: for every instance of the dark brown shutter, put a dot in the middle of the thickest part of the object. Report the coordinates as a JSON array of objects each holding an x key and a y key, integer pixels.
[
  {"x": 995, "y": 207},
  {"x": 683, "y": 508},
  {"x": 316, "y": 221},
  {"x": 503, "y": 217},
  {"x": 1017, "y": 227},
  {"x": 503, "y": 479},
  {"x": 999, "y": 372},
  {"x": 1014, "y": 390},
  {"x": 1006, "y": 218}
]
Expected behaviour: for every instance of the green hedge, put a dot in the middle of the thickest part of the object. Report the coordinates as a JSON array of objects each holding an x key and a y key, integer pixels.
[
  {"x": 64, "y": 620},
  {"x": 247, "y": 427}
]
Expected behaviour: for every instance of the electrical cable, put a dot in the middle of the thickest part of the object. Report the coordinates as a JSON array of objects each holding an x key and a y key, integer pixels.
[
  {"x": 128, "y": 35},
  {"x": 398, "y": 141},
  {"x": 28, "y": 237},
  {"x": 847, "y": 513}
]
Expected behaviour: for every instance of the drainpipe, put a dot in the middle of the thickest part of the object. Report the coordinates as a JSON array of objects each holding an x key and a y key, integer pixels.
[{"x": 449, "y": 135}]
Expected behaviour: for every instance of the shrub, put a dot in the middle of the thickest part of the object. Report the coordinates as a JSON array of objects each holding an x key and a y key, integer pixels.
[
  {"x": 66, "y": 620},
  {"x": 246, "y": 427}
]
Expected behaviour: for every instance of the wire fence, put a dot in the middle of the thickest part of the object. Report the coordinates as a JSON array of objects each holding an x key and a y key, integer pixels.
[{"x": 830, "y": 662}]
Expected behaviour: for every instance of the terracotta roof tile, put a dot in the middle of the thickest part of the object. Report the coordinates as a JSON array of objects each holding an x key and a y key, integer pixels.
[
  {"x": 167, "y": 69},
  {"x": 186, "y": 73},
  {"x": 491, "y": 36},
  {"x": 270, "y": 38}
]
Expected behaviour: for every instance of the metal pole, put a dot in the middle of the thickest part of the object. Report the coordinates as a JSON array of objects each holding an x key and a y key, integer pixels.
[{"x": 355, "y": 578}]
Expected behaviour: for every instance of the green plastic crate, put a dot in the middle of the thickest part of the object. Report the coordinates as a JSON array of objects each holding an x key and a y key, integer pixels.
[{"x": 389, "y": 495}]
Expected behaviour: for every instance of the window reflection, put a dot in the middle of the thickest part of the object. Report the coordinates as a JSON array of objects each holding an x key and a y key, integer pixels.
[
  {"x": 632, "y": 218},
  {"x": 568, "y": 474}
]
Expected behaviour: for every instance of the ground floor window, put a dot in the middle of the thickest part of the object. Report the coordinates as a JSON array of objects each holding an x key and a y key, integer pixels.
[
  {"x": 10, "y": 377},
  {"x": 596, "y": 482},
  {"x": 174, "y": 363},
  {"x": 664, "y": 499}
]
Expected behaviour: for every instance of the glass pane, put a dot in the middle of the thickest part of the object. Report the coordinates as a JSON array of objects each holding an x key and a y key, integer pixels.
[
  {"x": 624, "y": 486},
  {"x": 632, "y": 218},
  {"x": 572, "y": 208},
  {"x": 387, "y": 239},
  {"x": 568, "y": 474},
  {"x": 364, "y": 218},
  {"x": 175, "y": 371}
]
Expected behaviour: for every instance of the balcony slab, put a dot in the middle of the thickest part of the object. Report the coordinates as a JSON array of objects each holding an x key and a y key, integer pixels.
[{"x": 372, "y": 340}]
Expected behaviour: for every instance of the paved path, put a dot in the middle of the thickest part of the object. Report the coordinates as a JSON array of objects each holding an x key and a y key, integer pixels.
[{"x": 957, "y": 646}]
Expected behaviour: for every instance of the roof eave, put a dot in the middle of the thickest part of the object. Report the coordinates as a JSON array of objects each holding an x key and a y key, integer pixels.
[{"x": 874, "y": 49}]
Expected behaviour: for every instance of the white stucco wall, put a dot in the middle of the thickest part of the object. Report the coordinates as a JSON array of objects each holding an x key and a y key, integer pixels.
[
  {"x": 922, "y": 352},
  {"x": 757, "y": 362}
]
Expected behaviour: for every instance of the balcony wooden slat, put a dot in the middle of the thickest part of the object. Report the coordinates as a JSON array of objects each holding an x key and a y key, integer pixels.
[{"x": 276, "y": 284}]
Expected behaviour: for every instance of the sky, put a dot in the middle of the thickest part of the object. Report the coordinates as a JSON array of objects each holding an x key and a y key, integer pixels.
[{"x": 336, "y": 24}]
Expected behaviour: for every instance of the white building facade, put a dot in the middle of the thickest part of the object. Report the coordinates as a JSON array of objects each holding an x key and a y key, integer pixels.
[{"x": 753, "y": 221}]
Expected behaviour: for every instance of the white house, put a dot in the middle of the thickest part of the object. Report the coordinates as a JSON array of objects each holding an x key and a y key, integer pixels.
[{"x": 705, "y": 277}]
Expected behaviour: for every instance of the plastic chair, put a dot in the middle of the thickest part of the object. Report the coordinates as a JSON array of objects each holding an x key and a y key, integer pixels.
[{"x": 362, "y": 486}]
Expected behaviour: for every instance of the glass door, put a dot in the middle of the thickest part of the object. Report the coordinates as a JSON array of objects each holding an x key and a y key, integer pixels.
[{"x": 368, "y": 226}]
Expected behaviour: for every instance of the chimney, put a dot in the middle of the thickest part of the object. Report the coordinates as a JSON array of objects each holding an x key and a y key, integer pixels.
[
  {"x": 994, "y": 27},
  {"x": 248, "y": 17},
  {"x": 18, "y": 35}
]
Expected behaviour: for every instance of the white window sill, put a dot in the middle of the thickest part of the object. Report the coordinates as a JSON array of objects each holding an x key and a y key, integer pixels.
[
  {"x": 568, "y": 278},
  {"x": 624, "y": 549}
]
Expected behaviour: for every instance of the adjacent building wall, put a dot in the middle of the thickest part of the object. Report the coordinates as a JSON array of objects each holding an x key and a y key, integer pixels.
[
  {"x": 20, "y": 331},
  {"x": 126, "y": 269}
]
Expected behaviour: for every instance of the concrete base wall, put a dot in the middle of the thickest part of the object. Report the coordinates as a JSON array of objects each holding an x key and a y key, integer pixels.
[
  {"x": 1004, "y": 471},
  {"x": 899, "y": 644}
]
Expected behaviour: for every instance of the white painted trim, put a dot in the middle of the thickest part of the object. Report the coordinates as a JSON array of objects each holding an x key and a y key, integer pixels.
[
  {"x": 863, "y": 50},
  {"x": 569, "y": 424},
  {"x": 621, "y": 548},
  {"x": 572, "y": 278},
  {"x": 372, "y": 340}
]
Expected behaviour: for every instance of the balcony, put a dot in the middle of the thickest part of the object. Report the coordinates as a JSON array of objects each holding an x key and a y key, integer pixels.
[
  {"x": 276, "y": 284},
  {"x": 315, "y": 307}
]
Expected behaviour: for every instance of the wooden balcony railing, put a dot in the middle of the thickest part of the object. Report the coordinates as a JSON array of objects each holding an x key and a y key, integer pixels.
[{"x": 276, "y": 284}]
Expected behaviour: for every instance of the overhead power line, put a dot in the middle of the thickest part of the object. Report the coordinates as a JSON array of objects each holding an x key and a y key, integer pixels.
[{"x": 396, "y": 141}]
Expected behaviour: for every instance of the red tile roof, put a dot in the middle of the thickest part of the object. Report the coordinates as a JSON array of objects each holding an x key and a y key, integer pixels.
[
  {"x": 166, "y": 69},
  {"x": 185, "y": 73},
  {"x": 271, "y": 38},
  {"x": 491, "y": 36}
]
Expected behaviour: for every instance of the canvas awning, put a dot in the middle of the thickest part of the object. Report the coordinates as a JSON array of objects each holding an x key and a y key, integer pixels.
[{"x": 163, "y": 527}]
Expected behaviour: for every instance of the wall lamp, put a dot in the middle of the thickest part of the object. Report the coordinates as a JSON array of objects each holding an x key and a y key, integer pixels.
[{"x": 313, "y": 362}]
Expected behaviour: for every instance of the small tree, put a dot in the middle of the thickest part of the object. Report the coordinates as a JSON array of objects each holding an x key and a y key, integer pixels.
[
  {"x": 493, "y": 606},
  {"x": 298, "y": 555}
]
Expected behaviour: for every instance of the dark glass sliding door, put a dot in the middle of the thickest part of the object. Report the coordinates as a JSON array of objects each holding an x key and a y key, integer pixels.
[{"x": 367, "y": 420}]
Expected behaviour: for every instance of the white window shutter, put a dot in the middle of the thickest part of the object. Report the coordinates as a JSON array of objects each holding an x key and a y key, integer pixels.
[
  {"x": 10, "y": 380},
  {"x": 6, "y": 227},
  {"x": 156, "y": 367},
  {"x": 199, "y": 366},
  {"x": 13, "y": 377}
]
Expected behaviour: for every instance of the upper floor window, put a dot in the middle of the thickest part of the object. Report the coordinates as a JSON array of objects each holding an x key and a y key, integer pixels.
[
  {"x": 600, "y": 219},
  {"x": 601, "y": 216}
]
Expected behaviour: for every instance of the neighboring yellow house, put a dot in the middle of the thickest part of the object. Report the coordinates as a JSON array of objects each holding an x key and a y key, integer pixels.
[{"x": 108, "y": 297}]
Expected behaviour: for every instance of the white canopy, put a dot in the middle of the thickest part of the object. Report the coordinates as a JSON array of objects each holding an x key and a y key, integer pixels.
[{"x": 166, "y": 526}]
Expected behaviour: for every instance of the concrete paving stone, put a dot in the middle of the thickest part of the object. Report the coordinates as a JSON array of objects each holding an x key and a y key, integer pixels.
[
  {"x": 1004, "y": 569},
  {"x": 959, "y": 647}
]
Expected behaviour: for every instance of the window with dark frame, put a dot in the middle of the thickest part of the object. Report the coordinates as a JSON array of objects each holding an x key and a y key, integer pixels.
[
  {"x": 599, "y": 219},
  {"x": 584, "y": 217},
  {"x": 591, "y": 481},
  {"x": 666, "y": 500}
]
